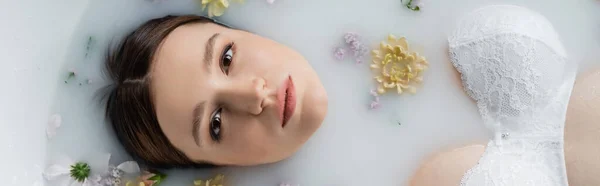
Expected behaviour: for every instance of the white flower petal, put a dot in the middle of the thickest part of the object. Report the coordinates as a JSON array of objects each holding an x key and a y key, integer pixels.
[
  {"x": 66, "y": 180},
  {"x": 99, "y": 163},
  {"x": 92, "y": 181},
  {"x": 129, "y": 167},
  {"x": 270, "y": 1},
  {"x": 75, "y": 183},
  {"x": 54, "y": 122},
  {"x": 50, "y": 132},
  {"x": 64, "y": 160},
  {"x": 56, "y": 171}
]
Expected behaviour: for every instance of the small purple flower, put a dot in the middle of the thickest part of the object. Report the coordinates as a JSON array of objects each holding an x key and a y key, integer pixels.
[
  {"x": 109, "y": 181},
  {"x": 360, "y": 51},
  {"x": 350, "y": 37},
  {"x": 375, "y": 105},
  {"x": 354, "y": 46},
  {"x": 358, "y": 61},
  {"x": 374, "y": 93},
  {"x": 115, "y": 172},
  {"x": 339, "y": 53}
]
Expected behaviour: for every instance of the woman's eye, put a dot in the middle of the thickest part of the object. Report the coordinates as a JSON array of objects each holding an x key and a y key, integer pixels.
[
  {"x": 227, "y": 59},
  {"x": 215, "y": 125}
]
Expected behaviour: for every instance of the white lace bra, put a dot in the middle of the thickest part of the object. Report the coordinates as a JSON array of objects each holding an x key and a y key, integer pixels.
[{"x": 513, "y": 65}]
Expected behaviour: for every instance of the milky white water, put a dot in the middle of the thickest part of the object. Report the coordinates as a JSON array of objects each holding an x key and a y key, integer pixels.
[{"x": 355, "y": 146}]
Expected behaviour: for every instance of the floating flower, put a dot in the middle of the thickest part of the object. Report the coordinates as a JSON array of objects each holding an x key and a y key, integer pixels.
[
  {"x": 414, "y": 5},
  {"x": 339, "y": 53},
  {"x": 147, "y": 179},
  {"x": 114, "y": 174},
  {"x": 397, "y": 67},
  {"x": 353, "y": 42},
  {"x": 53, "y": 124},
  {"x": 153, "y": 179},
  {"x": 358, "y": 48},
  {"x": 80, "y": 171},
  {"x": 216, "y": 7},
  {"x": 68, "y": 172},
  {"x": 216, "y": 181},
  {"x": 375, "y": 103}
]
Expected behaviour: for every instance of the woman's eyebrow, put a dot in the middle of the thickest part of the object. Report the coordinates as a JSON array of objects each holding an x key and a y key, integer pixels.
[
  {"x": 209, "y": 50},
  {"x": 198, "y": 113}
]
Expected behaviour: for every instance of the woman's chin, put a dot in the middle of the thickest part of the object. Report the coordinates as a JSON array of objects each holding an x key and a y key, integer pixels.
[{"x": 319, "y": 105}]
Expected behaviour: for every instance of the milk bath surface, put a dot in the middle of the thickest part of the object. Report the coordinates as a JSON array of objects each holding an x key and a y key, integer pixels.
[{"x": 355, "y": 146}]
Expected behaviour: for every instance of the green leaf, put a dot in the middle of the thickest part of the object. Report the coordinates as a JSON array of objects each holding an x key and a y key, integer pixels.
[
  {"x": 80, "y": 171},
  {"x": 158, "y": 178},
  {"x": 409, "y": 6},
  {"x": 71, "y": 75}
]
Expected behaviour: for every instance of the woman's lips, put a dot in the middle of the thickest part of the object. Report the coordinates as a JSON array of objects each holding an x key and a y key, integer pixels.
[{"x": 287, "y": 100}]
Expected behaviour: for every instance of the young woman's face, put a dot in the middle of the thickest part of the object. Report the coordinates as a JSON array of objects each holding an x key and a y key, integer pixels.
[{"x": 230, "y": 97}]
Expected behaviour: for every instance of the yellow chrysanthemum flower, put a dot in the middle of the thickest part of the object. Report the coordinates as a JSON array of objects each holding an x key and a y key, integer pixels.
[
  {"x": 216, "y": 181},
  {"x": 216, "y": 7},
  {"x": 397, "y": 67}
]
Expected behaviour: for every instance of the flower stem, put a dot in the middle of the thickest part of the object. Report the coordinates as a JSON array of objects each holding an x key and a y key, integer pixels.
[{"x": 409, "y": 6}]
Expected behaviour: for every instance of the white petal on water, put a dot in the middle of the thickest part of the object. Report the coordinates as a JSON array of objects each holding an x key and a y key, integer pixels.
[
  {"x": 64, "y": 161},
  {"x": 99, "y": 163},
  {"x": 66, "y": 180},
  {"x": 54, "y": 122},
  {"x": 76, "y": 183},
  {"x": 129, "y": 167},
  {"x": 50, "y": 133},
  {"x": 89, "y": 182},
  {"x": 56, "y": 171}
]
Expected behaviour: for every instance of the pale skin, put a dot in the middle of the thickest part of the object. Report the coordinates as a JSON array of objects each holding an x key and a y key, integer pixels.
[
  {"x": 217, "y": 94},
  {"x": 582, "y": 143}
]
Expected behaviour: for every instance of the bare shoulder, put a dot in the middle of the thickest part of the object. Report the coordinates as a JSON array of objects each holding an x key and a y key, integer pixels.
[
  {"x": 582, "y": 130},
  {"x": 447, "y": 168}
]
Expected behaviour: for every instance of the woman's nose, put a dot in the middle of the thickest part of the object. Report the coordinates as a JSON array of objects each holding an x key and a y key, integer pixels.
[{"x": 247, "y": 96}]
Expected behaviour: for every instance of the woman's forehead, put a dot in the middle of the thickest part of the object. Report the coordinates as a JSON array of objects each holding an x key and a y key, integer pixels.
[{"x": 184, "y": 41}]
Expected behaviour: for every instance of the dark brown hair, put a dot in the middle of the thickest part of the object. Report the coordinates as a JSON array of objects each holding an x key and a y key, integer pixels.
[{"x": 130, "y": 109}]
